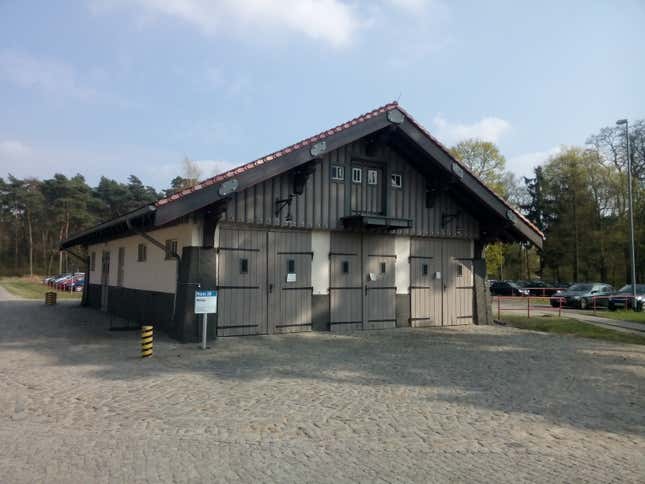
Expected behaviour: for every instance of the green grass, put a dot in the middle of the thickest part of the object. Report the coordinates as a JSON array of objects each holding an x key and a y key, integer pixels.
[
  {"x": 32, "y": 288},
  {"x": 635, "y": 317},
  {"x": 572, "y": 327}
]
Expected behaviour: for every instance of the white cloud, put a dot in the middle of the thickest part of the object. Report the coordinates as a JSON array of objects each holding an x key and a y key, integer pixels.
[
  {"x": 411, "y": 5},
  {"x": 488, "y": 129},
  {"x": 523, "y": 164},
  {"x": 14, "y": 149},
  {"x": 49, "y": 76},
  {"x": 331, "y": 21}
]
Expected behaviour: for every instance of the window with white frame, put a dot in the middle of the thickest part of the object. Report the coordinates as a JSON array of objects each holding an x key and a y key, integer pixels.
[
  {"x": 357, "y": 175},
  {"x": 372, "y": 177},
  {"x": 397, "y": 180},
  {"x": 337, "y": 173}
]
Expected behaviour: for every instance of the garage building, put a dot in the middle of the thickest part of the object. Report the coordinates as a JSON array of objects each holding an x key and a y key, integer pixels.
[{"x": 368, "y": 225}]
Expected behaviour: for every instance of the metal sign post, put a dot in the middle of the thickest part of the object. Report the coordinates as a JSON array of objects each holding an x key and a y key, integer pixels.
[{"x": 205, "y": 303}]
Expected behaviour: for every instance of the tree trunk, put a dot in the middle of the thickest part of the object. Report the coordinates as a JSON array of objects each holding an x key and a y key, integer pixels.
[{"x": 31, "y": 244}]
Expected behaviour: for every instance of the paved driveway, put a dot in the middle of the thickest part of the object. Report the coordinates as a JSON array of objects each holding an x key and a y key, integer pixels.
[{"x": 465, "y": 404}]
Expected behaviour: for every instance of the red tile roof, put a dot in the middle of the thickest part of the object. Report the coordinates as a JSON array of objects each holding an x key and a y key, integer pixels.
[{"x": 321, "y": 136}]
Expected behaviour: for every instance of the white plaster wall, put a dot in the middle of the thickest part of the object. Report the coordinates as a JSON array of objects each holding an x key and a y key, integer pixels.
[
  {"x": 402, "y": 251},
  {"x": 320, "y": 245},
  {"x": 156, "y": 273}
]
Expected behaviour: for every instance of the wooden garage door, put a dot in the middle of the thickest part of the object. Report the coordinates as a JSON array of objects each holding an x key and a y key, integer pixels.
[
  {"x": 362, "y": 282},
  {"x": 458, "y": 282},
  {"x": 441, "y": 282},
  {"x": 242, "y": 279},
  {"x": 346, "y": 283},
  {"x": 289, "y": 281},
  {"x": 426, "y": 290},
  {"x": 379, "y": 260}
]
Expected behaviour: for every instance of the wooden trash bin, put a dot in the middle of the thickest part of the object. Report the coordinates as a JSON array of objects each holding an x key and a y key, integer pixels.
[{"x": 50, "y": 298}]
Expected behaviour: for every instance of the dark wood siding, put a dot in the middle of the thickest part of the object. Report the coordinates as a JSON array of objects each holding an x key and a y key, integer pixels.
[{"x": 324, "y": 202}]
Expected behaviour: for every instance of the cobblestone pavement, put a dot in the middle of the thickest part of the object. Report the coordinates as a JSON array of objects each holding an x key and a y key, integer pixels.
[{"x": 466, "y": 404}]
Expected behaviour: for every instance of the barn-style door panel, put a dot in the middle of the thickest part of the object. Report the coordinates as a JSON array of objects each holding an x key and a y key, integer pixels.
[
  {"x": 346, "y": 284},
  {"x": 379, "y": 261},
  {"x": 458, "y": 282},
  {"x": 441, "y": 282},
  {"x": 264, "y": 282},
  {"x": 242, "y": 282},
  {"x": 362, "y": 282},
  {"x": 289, "y": 271},
  {"x": 426, "y": 289}
]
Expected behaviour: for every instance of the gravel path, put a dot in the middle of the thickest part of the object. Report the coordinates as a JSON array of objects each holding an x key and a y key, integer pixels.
[
  {"x": 470, "y": 404},
  {"x": 7, "y": 296}
]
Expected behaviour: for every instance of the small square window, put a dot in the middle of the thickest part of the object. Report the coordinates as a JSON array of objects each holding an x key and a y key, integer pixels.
[
  {"x": 383, "y": 267},
  {"x": 244, "y": 266},
  {"x": 357, "y": 175},
  {"x": 372, "y": 177},
  {"x": 424, "y": 269},
  {"x": 460, "y": 270},
  {"x": 345, "y": 267},
  {"x": 291, "y": 266},
  {"x": 337, "y": 173},
  {"x": 142, "y": 252},
  {"x": 397, "y": 180}
]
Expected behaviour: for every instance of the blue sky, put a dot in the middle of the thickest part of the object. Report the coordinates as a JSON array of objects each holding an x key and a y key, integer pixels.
[{"x": 117, "y": 87}]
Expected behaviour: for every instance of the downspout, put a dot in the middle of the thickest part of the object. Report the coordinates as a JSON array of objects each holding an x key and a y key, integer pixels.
[{"x": 175, "y": 256}]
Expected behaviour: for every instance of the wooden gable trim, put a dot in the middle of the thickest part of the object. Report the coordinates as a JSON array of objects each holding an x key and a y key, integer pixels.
[{"x": 260, "y": 173}]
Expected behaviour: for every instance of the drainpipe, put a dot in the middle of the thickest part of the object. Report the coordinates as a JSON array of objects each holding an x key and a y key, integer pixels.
[{"x": 175, "y": 256}]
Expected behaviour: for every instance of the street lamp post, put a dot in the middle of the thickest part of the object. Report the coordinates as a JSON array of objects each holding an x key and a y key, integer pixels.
[{"x": 631, "y": 211}]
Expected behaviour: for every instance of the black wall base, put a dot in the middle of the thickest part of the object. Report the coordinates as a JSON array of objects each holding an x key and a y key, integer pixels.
[
  {"x": 135, "y": 305},
  {"x": 198, "y": 266}
]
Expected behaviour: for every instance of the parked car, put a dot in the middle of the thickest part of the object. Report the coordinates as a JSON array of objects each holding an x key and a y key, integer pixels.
[
  {"x": 507, "y": 288},
  {"x": 582, "y": 294},
  {"x": 623, "y": 298},
  {"x": 72, "y": 284}
]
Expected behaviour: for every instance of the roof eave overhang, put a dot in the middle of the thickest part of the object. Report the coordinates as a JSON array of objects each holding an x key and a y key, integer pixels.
[
  {"x": 509, "y": 217},
  {"x": 514, "y": 225},
  {"x": 117, "y": 227}
]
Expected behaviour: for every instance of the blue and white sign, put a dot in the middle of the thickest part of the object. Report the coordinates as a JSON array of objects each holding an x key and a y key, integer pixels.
[{"x": 205, "y": 302}]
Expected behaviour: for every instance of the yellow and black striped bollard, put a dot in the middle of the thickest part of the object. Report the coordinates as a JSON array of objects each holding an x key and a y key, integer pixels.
[
  {"x": 50, "y": 298},
  {"x": 146, "y": 341}
]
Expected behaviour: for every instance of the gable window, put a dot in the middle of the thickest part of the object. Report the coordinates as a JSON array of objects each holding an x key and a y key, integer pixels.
[
  {"x": 337, "y": 173},
  {"x": 372, "y": 177},
  {"x": 171, "y": 248},
  {"x": 244, "y": 266},
  {"x": 93, "y": 261},
  {"x": 397, "y": 180},
  {"x": 142, "y": 252},
  {"x": 357, "y": 175}
]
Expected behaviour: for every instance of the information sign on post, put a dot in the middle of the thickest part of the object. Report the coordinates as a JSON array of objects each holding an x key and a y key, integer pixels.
[{"x": 205, "y": 304}]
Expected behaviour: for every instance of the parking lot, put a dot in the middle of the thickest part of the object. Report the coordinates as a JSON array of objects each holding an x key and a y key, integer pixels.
[{"x": 466, "y": 404}]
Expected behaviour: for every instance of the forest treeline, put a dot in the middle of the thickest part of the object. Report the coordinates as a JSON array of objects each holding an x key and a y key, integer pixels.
[{"x": 578, "y": 198}]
